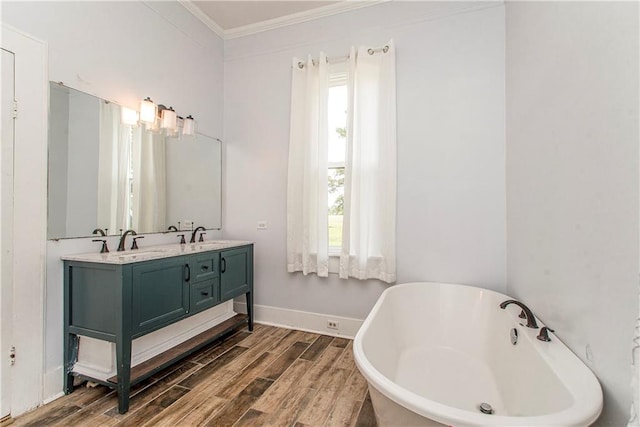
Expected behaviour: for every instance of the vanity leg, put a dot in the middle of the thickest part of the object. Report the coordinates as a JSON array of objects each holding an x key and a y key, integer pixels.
[
  {"x": 70, "y": 356},
  {"x": 123, "y": 363},
  {"x": 70, "y": 344},
  {"x": 249, "y": 296}
]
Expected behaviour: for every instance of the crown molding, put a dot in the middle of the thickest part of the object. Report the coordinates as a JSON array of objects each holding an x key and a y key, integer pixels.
[
  {"x": 283, "y": 21},
  {"x": 204, "y": 18}
]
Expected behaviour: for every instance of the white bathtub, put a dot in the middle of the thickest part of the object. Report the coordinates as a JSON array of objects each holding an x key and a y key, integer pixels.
[{"x": 433, "y": 352}]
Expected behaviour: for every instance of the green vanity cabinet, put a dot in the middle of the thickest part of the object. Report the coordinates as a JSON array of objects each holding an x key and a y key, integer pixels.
[{"x": 119, "y": 302}]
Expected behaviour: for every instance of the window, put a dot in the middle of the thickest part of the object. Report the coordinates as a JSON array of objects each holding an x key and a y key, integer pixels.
[
  {"x": 343, "y": 179},
  {"x": 337, "y": 122}
]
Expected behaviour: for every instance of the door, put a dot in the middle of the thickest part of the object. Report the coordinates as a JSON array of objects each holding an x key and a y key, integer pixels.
[{"x": 7, "y": 92}]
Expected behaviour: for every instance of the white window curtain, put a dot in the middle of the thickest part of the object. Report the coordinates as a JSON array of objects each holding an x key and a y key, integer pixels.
[
  {"x": 368, "y": 239},
  {"x": 149, "y": 182},
  {"x": 113, "y": 169},
  {"x": 307, "y": 192},
  {"x": 369, "y": 225}
]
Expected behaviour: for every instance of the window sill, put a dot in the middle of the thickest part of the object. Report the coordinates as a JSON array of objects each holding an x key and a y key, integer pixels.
[{"x": 334, "y": 262}]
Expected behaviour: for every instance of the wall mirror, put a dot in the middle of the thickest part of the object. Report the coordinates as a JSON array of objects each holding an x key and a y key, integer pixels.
[{"x": 109, "y": 175}]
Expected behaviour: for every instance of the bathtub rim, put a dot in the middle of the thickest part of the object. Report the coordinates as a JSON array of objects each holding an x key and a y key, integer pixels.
[{"x": 574, "y": 416}]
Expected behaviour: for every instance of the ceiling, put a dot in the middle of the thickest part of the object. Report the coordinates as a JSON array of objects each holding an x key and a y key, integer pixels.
[
  {"x": 233, "y": 14},
  {"x": 235, "y": 18}
]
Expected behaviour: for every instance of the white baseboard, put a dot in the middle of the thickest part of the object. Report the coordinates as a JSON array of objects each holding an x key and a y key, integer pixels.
[
  {"x": 52, "y": 385},
  {"x": 301, "y": 320}
]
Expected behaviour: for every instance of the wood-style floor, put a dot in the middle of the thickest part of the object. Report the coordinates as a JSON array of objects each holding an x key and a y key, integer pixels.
[{"x": 271, "y": 377}]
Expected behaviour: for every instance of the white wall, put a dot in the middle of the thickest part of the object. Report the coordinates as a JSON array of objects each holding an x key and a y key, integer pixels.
[
  {"x": 122, "y": 51},
  {"x": 572, "y": 175},
  {"x": 451, "y": 177}
]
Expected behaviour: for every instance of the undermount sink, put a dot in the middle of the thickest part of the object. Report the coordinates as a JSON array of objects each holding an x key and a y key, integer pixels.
[
  {"x": 210, "y": 245},
  {"x": 136, "y": 254},
  {"x": 216, "y": 242}
]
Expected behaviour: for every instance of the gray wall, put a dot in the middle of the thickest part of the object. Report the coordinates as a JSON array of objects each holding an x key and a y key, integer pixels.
[
  {"x": 451, "y": 179},
  {"x": 572, "y": 179}
]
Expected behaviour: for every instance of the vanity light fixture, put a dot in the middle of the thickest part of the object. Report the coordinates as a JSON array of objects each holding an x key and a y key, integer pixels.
[
  {"x": 169, "y": 119},
  {"x": 189, "y": 126},
  {"x": 129, "y": 116},
  {"x": 148, "y": 110},
  {"x": 158, "y": 118}
]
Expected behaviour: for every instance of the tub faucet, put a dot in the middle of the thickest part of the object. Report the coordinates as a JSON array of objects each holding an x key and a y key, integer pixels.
[
  {"x": 123, "y": 238},
  {"x": 531, "y": 319},
  {"x": 193, "y": 235}
]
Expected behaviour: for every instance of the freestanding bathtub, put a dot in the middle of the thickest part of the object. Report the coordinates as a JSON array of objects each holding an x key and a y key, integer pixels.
[{"x": 432, "y": 353}]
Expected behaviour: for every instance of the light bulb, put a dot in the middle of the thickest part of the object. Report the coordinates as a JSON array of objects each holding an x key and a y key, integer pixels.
[
  {"x": 169, "y": 119},
  {"x": 129, "y": 116},
  {"x": 189, "y": 127},
  {"x": 148, "y": 110}
]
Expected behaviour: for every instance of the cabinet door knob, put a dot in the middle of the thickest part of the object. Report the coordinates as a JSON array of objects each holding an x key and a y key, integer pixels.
[
  {"x": 205, "y": 267},
  {"x": 224, "y": 265},
  {"x": 204, "y": 294},
  {"x": 188, "y": 272}
]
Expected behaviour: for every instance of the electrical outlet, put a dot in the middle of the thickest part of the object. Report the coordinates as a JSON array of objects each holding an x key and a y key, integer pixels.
[
  {"x": 332, "y": 324},
  {"x": 262, "y": 225}
]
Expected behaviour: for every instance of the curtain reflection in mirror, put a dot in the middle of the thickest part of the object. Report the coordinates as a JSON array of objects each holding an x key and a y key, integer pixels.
[
  {"x": 114, "y": 170},
  {"x": 132, "y": 175},
  {"x": 149, "y": 183}
]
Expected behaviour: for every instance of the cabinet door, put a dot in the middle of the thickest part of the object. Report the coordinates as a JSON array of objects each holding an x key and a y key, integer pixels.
[
  {"x": 234, "y": 272},
  {"x": 160, "y": 293}
]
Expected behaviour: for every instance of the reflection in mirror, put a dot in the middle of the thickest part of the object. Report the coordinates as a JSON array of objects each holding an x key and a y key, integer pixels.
[{"x": 109, "y": 175}]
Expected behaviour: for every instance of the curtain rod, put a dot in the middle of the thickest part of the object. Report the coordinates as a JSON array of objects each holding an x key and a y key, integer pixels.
[{"x": 370, "y": 51}]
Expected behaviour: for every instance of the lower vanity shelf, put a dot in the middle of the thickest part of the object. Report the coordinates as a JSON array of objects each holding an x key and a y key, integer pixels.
[
  {"x": 118, "y": 302},
  {"x": 157, "y": 363}
]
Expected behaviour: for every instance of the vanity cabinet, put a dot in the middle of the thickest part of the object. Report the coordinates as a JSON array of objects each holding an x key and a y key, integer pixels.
[{"x": 121, "y": 301}]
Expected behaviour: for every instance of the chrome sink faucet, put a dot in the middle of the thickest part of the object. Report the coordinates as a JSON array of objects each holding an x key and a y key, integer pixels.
[
  {"x": 193, "y": 235},
  {"x": 531, "y": 319},
  {"x": 123, "y": 238}
]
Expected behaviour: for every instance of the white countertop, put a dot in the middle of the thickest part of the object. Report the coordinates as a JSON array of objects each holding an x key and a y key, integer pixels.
[{"x": 155, "y": 252}]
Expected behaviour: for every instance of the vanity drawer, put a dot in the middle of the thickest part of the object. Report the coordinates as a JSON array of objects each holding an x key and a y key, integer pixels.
[
  {"x": 205, "y": 267},
  {"x": 204, "y": 295}
]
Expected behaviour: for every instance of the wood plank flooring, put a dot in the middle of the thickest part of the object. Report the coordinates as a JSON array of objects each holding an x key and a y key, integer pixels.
[{"x": 271, "y": 377}]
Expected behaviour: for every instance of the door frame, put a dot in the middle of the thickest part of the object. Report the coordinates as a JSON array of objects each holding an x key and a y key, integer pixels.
[
  {"x": 30, "y": 217},
  {"x": 6, "y": 223}
]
